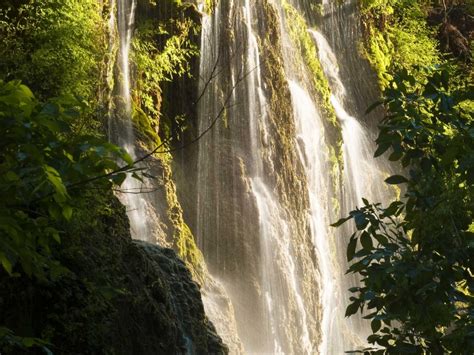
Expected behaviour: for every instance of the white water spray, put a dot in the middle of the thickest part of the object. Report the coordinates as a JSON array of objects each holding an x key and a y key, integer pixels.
[
  {"x": 133, "y": 193},
  {"x": 312, "y": 149},
  {"x": 363, "y": 177}
]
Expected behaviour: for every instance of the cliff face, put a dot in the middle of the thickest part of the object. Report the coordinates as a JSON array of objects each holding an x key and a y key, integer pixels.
[
  {"x": 117, "y": 296},
  {"x": 112, "y": 294}
]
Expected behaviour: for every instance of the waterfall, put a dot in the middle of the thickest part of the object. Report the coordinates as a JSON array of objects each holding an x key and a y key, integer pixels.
[
  {"x": 146, "y": 209},
  {"x": 266, "y": 189},
  {"x": 312, "y": 147},
  {"x": 248, "y": 229},
  {"x": 363, "y": 172},
  {"x": 237, "y": 202},
  {"x": 133, "y": 192},
  {"x": 125, "y": 22},
  {"x": 363, "y": 178}
]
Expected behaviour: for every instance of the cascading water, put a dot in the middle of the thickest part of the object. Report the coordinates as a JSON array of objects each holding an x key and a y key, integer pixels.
[
  {"x": 264, "y": 190},
  {"x": 363, "y": 172},
  {"x": 133, "y": 193},
  {"x": 282, "y": 313},
  {"x": 125, "y": 23},
  {"x": 312, "y": 148},
  {"x": 272, "y": 312},
  {"x": 274, "y": 230}
]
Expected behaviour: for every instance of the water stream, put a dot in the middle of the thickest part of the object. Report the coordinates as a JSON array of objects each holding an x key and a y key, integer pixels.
[
  {"x": 363, "y": 178},
  {"x": 265, "y": 194},
  {"x": 133, "y": 192},
  {"x": 287, "y": 318}
]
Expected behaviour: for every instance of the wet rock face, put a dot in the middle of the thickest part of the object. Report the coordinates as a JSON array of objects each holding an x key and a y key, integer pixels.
[
  {"x": 179, "y": 310},
  {"x": 119, "y": 296}
]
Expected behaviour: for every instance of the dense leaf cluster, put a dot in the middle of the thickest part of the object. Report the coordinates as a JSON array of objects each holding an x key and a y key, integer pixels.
[
  {"x": 161, "y": 52},
  {"x": 397, "y": 35},
  {"x": 54, "y": 46},
  {"x": 415, "y": 256},
  {"x": 45, "y": 163}
]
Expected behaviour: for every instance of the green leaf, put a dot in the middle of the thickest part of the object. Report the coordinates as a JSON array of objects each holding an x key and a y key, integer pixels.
[
  {"x": 381, "y": 239},
  {"x": 137, "y": 177},
  {"x": 381, "y": 149},
  {"x": 11, "y": 176},
  {"x": 396, "y": 179},
  {"x": 67, "y": 212},
  {"x": 55, "y": 179},
  {"x": 55, "y": 211},
  {"x": 392, "y": 209},
  {"x": 351, "y": 248},
  {"x": 361, "y": 220},
  {"x": 375, "y": 325},
  {"x": 374, "y": 106},
  {"x": 395, "y": 156},
  {"x": 7, "y": 265},
  {"x": 28, "y": 342},
  {"x": 366, "y": 241},
  {"x": 118, "y": 179},
  {"x": 127, "y": 158},
  {"x": 352, "y": 309},
  {"x": 341, "y": 221}
]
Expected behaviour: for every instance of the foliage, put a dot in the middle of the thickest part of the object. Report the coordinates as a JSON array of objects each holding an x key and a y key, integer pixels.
[
  {"x": 8, "y": 340},
  {"x": 210, "y": 5},
  {"x": 54, "y": 46},
  {"x": 397, "y": 37},
  {"x": 44, "y": 165},
  {"x": 415, "y": 256},
  {"x": 157, "y": 64}
]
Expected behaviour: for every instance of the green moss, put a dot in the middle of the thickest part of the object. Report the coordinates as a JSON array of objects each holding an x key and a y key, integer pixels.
[
  {"x": 161, "y": 52},
  {"x": 336, "y": 160},
  {"x": 210, "y": 5},
  {"x": 146, "y": 128},
  {"x": 397, "y": 36},
  {"x": 183, "y": 239},
  {"x": 336, "y": 206},
  {"x": 298, "y": 30}
]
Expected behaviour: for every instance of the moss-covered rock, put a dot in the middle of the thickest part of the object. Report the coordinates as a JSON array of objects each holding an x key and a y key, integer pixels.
[
  {"x": 298, "y": 28},
  {"x": 396, "y": 36},
  {"x": 118, "y": 296}
]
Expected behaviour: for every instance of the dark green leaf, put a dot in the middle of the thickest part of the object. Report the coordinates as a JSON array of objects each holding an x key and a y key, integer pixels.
[
  {"x": 352, "y": 309},
  {"x": 341, "y": 222},
  {"x": 375, "y": 325},
  {"x": 396, "y": 179},
  {"x": 351, "y": 248},
  {"x": 366, "y": 241},
  {"x": 373, "y": 106},
  {"x": 382, "y": 148}
]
